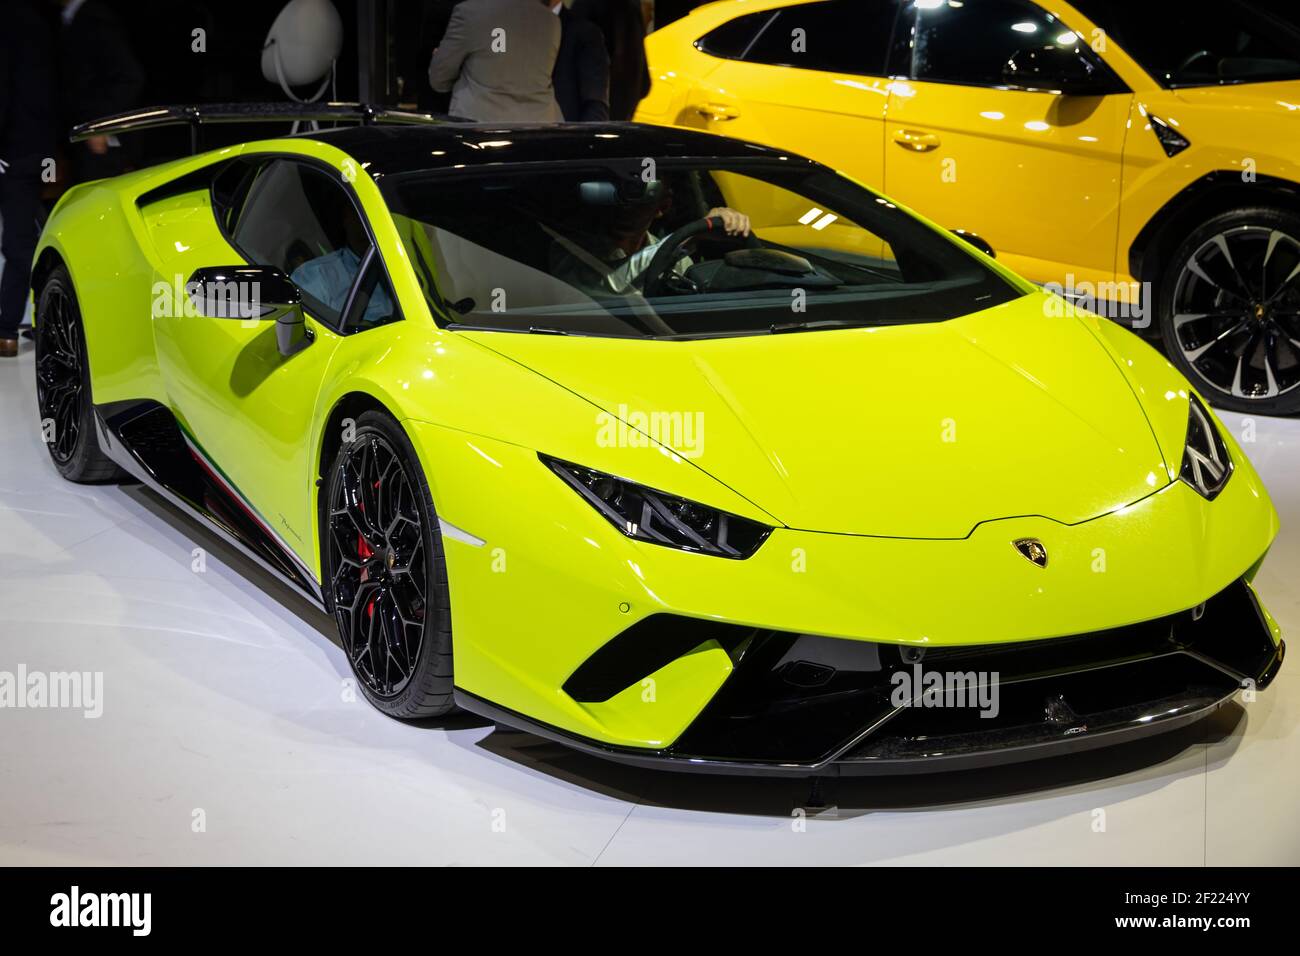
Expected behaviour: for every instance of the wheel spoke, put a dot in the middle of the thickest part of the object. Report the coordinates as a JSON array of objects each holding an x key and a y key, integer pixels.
[
  {"x": 1196, "y": 353},
  {"x": 1195, "y": 267},
  {"x": 376, "y": 644},
  {"x": 1221, "y": 241},
  {"x": 354, "y": 506},
  {"x": 1270, "y": 379},
  {"x": 1183, "y": 318},
  {"x": 1285, "y": 285},
  {"x": 1274, "y": 238},
  {"x": 1236, "y": 377},
  {"x": 382, "y": 490},
  {"x": 393, "y": 628}
]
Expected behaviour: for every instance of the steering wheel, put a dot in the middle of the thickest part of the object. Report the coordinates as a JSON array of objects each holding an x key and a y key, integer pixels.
[
  {"x": 1192, "y": 59},
  {"x": 652, "y": 279}
]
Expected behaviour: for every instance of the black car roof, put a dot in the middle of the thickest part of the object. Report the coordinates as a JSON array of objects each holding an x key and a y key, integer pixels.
[{"x": 388, "y": 150}]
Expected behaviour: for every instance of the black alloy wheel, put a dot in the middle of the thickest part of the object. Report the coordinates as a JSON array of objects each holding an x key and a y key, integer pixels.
[
  {"x": 59, "y": 378},
  {"x": 63, "y": 391},
  {"x": 385, "y": 573}
]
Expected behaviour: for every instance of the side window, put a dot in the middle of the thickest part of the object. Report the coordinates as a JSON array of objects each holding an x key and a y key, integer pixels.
[
  {"x": 994, "y": 43},
  {"x": 230, "y": 188},
  {"x": 301, "y": 220},
  {"x": 374, "y": 304},
  {"x": 733, "y": 38},
  {"x": 837, "y": 36},
  {"x": 1240, "y": 43}
]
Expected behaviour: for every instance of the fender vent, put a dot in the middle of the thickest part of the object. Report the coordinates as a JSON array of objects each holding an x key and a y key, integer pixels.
[{"x": 1172, "y": 141}]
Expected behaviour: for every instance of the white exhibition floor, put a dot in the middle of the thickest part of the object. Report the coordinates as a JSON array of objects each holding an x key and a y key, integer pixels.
[{"x": 222, "y": 694}]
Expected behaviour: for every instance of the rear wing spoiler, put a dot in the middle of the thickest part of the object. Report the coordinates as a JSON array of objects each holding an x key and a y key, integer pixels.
[{"x": 155, "y": 117}]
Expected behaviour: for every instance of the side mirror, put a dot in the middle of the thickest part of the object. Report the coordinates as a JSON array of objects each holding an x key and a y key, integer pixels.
[
  {"x": 252, "y": 294},
  {"x": 976, "y": 240}
]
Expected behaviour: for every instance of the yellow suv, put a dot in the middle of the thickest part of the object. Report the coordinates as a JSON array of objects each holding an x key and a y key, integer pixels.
[{"x": 1140, "y": 157}]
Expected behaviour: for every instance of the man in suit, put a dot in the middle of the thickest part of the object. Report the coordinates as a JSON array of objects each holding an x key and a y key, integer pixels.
[
  {"x": 101, "y": 76},
  {"x": 581, "y": 76},
  {"x": 28, "y": 130},
  {"x": 434, "y": 19},
  {"x": 496, "y": 58}
]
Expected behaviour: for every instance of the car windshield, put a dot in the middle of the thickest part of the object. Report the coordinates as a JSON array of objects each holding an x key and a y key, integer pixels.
[
  {"x": 623, "y": 249},
  {"x": 1236, "y": 42}
]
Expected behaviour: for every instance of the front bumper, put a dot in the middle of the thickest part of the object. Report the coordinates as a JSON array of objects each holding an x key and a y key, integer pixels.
[
  {"x": 803, "y": 705},
  {"x": 544, "y": 591}
]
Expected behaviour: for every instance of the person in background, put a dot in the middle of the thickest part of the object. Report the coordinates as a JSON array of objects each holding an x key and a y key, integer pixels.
[
  {"x": 581, "y": 76},
  {"x": 623, "y": 26},
  {"x": 496, "y": 58},
  {"x": 434, "y": 19},
  {"x": 101, "y": 76},
  {"x": 28, "y": 130}
]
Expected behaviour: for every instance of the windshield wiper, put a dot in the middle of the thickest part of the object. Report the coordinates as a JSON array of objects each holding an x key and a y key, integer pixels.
[{"x": 780, "y": 327}]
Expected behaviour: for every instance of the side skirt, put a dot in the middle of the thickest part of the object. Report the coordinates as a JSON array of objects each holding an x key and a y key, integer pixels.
[{"x": 145, "y": 440}]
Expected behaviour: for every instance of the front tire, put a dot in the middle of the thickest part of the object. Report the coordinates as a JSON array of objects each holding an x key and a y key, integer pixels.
[
  {"x": 63, "y": 392},
  {"x": 1230, "y": 310},
  {"x": 385, "y": 575}
]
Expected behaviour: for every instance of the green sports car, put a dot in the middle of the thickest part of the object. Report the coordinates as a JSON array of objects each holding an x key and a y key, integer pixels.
[{"x": 677, "y": 449}]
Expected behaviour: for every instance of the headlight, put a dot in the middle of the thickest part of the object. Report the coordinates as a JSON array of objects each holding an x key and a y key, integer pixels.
[
  {"x": 648, "y": 515},
  {"x": 1206, "y": 464}
]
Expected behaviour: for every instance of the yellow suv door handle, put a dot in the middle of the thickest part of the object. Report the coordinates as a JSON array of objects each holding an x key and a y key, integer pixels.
[
  {"x": 915, "y": 140},
  {"x": 717, "y": 112}
]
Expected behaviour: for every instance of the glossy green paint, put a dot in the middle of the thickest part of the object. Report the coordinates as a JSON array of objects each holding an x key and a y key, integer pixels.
[{"x": 896, "y": 464}]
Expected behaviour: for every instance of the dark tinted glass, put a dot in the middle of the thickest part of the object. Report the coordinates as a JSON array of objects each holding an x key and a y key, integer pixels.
[
  {"x": 732, "y": 39},
  {"x": 840, "y": 36},
  {"x": 374, "y": 303},
  {"x": 981, "y": 43},
  {"x": 1235, "y": 42},
  {"x": 230, "y": 189}
]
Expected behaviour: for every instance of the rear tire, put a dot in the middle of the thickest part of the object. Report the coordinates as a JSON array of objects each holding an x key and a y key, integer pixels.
[
  {"x": 385, "y": 576},
  {"x": 63, "y": 389},
  {"x": 1229, "y": 310}
]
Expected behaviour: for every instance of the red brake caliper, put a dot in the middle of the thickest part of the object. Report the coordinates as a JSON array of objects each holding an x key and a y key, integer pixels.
[{"x": 364, "y": 553}]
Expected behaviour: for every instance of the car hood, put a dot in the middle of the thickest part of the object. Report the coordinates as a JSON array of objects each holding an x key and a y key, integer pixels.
[
  {"x": 907, "y": 431},
  {"x": 1278, "y": 97}
]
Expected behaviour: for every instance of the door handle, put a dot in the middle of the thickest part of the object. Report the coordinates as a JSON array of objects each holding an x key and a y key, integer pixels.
[
  {"x": 915, "y": 140},
  {"x": 717, "y": 112}
]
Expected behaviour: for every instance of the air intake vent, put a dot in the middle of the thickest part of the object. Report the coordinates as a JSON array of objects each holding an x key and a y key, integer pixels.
[
  {"x": 1171, "y": 140},
  {"x": 644, "y": 648}
]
